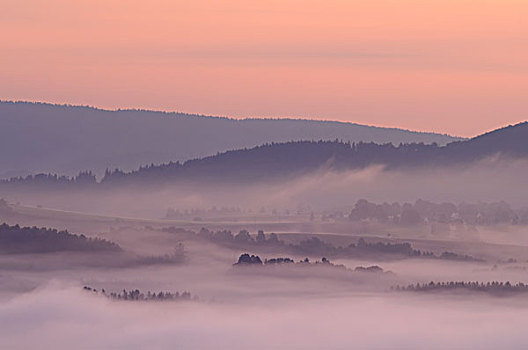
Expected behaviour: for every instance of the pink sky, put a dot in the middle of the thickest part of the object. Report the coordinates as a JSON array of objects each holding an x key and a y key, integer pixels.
[{"x": 459, "y": 67}]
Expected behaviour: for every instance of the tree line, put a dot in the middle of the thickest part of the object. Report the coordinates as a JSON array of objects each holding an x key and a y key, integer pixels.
[
  {"x": 255, "y": 260},
  {"x": 316, "y": 247},
  {"x": 137, "y": 295},
  {"x": 494, "y": 287},
  {"x": 16, "y": 239},
  {"x": 444, "y": 213}
]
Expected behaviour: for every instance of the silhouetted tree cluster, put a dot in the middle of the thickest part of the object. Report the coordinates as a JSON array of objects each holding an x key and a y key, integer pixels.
[
  {"x": 449, "y": 213},
  {"x": 16, "y": 239},
  {"x": 278, "y": 261},
  {"x": 137, "y": 295},
  {"x": 246, "y": 259},
  {"x": 489, "y": 287},
  {"x": 242, "y": 237},
  {"x": 254, "y": 260}
]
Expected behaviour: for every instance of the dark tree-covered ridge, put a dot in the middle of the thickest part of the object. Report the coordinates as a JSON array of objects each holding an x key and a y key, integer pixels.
[
  {"x": 44, "y": 137},
  {"x": 16, "y": 239},
  {"x": 273, "y": 161}
]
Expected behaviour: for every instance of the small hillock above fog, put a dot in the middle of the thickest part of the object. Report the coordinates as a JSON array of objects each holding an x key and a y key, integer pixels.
[
  {"x": 255, "y": 260},
  {"x": 50, "y": 244},
  {"x": 16, "y": 239}
]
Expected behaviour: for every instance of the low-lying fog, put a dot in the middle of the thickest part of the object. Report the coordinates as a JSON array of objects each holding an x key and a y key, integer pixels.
[
  {"x": 487, "y": 180},
  {"x": 63, "y": 317},
  {"x": 300, "y": 305},
  {"x": 261, "y": 307}
]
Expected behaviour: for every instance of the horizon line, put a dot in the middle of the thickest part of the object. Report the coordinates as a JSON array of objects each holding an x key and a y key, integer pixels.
[{"x": 245, "y": 118}]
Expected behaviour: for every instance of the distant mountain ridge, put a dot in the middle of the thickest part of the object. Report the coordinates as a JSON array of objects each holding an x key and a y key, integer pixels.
[
  {"x": 65, "y": 139},
  {"x": 280, "y": 161}
]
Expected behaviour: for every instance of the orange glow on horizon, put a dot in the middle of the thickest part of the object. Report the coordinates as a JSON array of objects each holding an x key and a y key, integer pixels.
[{"x": 448, "y": 66}]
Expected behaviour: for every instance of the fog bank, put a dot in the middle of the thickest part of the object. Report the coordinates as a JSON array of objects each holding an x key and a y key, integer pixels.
[{"x": 63, "y": 317}]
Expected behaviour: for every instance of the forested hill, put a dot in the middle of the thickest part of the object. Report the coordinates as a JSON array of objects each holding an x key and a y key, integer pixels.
[
  {"x": 271, "y": 161},
  {"x": 283, "y": 160},
  {"x": 43, "y": 138},
  {"x": 512, "y": 140},
  {"x": 18, "y": 240}
]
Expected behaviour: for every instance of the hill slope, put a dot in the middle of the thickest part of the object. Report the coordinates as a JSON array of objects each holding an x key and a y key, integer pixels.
[
  {"x": 512, "y": 140},
  {"x": 38, "y": 137},
  {"x": 279, "y": 161},
  {"x": 271, "y": 161}
]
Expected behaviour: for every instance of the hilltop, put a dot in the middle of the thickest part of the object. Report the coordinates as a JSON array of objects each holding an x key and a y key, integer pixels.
[
  {"x": 280, "y": 161},
  {"x": 65, "y": 139}
]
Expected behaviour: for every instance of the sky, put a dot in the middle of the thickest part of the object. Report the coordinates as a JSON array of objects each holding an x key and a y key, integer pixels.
[{"x": 450, "y": 66}]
